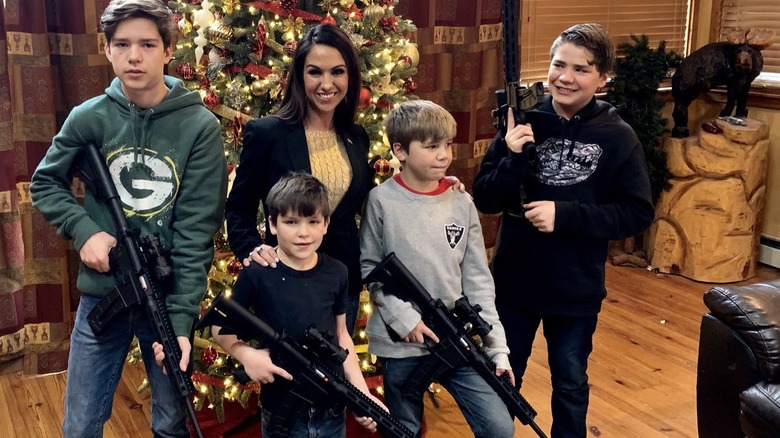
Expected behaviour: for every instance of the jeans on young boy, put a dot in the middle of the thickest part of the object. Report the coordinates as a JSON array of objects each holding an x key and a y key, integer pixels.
[
  {"x": 484, "y": 411},
  {"x": 311, "y": 423},
  {"x": 569, "y": 343},
  {"x": 95, "y": 367}
]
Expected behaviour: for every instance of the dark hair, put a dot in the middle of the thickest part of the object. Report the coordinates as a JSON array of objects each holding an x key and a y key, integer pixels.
[
  {"x": 420, "y": 120},
  {"x": 155, "y": 10},
  {"x": 592, "y": 37},
  {"x": 294, "y": 106},
  {"x": 297, "y": 192}
]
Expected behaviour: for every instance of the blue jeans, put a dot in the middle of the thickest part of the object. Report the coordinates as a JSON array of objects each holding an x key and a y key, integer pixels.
[
  {"x": 95, "y": 367},
  {"x": 353, "y": 302},
  {"x": 312, "y": 423},
  {"x": 484, "y": 411},
  {"x": 569, "y": 343}
]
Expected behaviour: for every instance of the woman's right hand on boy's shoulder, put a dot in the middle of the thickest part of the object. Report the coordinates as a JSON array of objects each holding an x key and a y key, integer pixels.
[
  {"x": 419, "y": 333},
  {"x": 264, "y": 254},
  {"x": 94, "y": 252},
  {"x": 259, "y": 367},
  {"x": 517, "y": 136}
]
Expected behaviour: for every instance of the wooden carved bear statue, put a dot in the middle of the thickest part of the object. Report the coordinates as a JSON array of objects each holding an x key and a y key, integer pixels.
[{"x": 734, "y": 63}]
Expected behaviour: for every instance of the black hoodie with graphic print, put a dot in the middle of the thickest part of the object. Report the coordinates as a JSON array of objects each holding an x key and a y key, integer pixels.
[{"x": 593, "y": 168}]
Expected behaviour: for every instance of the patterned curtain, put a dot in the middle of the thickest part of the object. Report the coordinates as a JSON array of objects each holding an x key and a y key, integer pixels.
[
  {"x": 54, "y": 61},
  {"x": 461, "y": 65}
]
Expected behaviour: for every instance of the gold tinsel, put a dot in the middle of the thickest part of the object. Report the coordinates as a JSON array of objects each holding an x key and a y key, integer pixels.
[{"x": 218, "y": 33}]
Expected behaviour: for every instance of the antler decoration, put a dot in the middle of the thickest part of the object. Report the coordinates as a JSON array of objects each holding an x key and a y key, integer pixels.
[{"x": 759, "y": 39}]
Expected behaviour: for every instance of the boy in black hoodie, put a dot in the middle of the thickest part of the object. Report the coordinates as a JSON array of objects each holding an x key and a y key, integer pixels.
[{"x": 584, "y": 183}]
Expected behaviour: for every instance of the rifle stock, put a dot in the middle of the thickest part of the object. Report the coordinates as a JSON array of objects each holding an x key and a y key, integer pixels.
[
  {"x": 455, "y": 347},
  {"x": 312, "y": 380},
  {"x": 135, "y": 264}
]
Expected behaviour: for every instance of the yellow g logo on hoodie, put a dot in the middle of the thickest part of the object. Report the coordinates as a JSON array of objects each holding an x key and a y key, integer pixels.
[{"x": 146, "y": 183}]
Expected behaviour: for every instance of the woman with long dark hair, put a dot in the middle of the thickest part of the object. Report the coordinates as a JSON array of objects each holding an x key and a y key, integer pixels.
[{"x": 313, "y": 131}]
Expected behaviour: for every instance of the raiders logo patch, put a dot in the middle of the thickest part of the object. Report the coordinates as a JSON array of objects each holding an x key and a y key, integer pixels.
[{"x": 454, "y": 234}]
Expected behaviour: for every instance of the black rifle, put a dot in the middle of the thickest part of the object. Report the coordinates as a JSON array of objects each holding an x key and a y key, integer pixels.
[
  {"x": 514, "y": 95},
  {"x": 521, "y": 99},
  {"x": 313, "y": 382},
  {"x": 456, "y": 347},
  {"x": 140, "y": 267}
]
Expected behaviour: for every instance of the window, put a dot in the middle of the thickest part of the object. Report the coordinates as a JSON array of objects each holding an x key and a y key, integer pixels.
[
  {"x": 756, "y": 14},
  {"x": 543, "y": 21}
]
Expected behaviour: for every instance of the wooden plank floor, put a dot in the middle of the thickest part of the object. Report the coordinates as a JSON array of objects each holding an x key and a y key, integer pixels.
[{"x": 642, "y": 372}]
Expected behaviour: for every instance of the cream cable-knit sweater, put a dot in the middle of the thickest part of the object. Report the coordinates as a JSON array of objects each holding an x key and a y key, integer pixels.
[{"x": 329, "y": 163}]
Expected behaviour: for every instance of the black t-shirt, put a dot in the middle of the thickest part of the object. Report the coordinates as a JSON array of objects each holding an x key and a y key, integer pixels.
[{"x": 291, "y": 301}]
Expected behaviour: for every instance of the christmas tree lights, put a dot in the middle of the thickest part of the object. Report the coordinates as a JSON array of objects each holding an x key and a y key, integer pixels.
[{"x": 236, "y": 54}]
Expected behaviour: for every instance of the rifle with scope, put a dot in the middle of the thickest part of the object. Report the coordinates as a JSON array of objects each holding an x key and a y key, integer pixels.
[
  {"x": 142, "y": 271},
  {"x": 455, "y": 328}
]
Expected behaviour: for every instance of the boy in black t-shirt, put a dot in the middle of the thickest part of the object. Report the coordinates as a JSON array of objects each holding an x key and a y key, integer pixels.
[{"x": 306, "y": 288}]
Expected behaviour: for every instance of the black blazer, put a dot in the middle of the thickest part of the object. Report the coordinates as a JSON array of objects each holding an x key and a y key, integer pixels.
[{"x": 272, "y": 148}]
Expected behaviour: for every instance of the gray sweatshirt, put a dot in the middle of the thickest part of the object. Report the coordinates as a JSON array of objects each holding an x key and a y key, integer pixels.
[{"x": 439, "y": 238}]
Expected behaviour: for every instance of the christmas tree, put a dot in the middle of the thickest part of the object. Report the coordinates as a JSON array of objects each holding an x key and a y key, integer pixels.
[
  {"x": 236, "y": 54},
  {"x": 634, "y": 92}
]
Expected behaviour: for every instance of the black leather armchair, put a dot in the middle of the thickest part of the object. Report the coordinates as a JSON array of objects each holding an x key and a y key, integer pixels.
[{"x": 738, "y": 378}]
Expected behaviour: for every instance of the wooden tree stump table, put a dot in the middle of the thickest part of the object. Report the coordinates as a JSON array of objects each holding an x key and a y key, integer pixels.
[{"x": 707, "y": 225}]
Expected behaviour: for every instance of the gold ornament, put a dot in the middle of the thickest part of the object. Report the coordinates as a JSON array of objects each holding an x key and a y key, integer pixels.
[
  {"x": 185, "y": 27},
  {"x": 373, "y": 13},
  {"x": 218, "y": 33},
  {"x": 257, "y": 87},
  {"x": 410, "y": 50},
  {"x": 229, "y": 5}
]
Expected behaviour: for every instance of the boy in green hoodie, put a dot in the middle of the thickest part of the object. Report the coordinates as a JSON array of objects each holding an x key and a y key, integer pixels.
[{"x": 152, "y": 131}]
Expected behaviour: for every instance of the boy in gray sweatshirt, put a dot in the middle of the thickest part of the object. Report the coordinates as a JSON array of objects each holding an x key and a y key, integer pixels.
[{"x": 436, "y": 233}]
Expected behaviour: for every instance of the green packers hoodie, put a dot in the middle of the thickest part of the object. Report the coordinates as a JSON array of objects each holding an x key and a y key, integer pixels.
[{"x": 168, "y": 165}]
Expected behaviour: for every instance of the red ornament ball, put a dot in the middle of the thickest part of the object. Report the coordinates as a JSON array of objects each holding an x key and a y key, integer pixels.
[
  {"x": 290, "y": 47},
  {"x": 211, "y": 100},
  {"x": 329, "y": 20},
  {"x": 382, "y": 167},
  {"x": 384, "y": 102},
  {"x": 410, "y": 86},
  {"x": 234, "y": 267},
  {"x": 208, "y": 356},
  {"x": 185, "y": 71},
  {"x": 405, "y": 59},
  {"x": 365, "y": 98}
]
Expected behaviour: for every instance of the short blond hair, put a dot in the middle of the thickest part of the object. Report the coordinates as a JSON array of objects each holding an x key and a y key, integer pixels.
[{"x": 420, "y": 120}]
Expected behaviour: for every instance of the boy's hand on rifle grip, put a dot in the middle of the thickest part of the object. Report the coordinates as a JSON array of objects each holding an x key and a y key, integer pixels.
[
  {"x": 259, "y": 367},
  {"x": 184, "y": 346},
  {"x": 509, "y": 374},
  {"x": 419, "y": 333},
  {"x": 94, "y": 252},
  {"x": 517, "y": 136}
]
